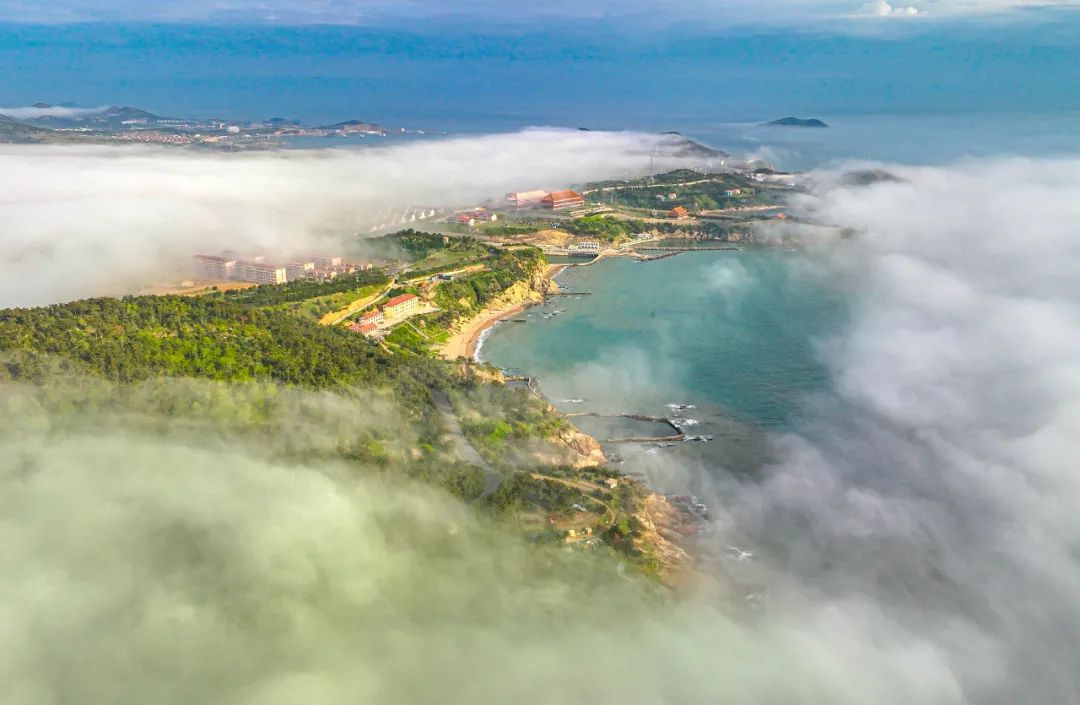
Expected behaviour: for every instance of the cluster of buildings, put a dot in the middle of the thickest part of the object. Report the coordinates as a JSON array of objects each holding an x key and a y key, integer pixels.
[
  {"x": 474, "y": 216},
  {"x": 553, "y": 200},
  {"x": 396, "y": 308},
  {"x": 154, "y": 136},
  {"x": 587, "y": 248},
  {"x": 255, "y": 268}
]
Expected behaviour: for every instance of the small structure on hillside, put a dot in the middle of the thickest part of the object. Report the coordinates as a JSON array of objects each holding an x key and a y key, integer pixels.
[{"x": 678, "y": 213}]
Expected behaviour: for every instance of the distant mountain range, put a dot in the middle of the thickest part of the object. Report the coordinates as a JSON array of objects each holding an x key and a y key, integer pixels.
[
  {"x": 68, "y": 115},
  {"x": 791, "y": 121}
]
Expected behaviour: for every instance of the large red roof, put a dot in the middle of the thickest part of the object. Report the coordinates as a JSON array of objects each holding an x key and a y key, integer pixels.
[
  {"x": 563, "y": 195},
  {"x": 398, "y": 300}
]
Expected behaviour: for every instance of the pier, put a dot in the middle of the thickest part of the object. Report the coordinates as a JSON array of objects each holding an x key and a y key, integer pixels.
[
  {"x": 646, "y": 439},
  {"x": 653, "y": 258},
  {"x": 679, "y": 435},
  {"x": 687, "y": 248},
  {"x": 530, "y": 382}
]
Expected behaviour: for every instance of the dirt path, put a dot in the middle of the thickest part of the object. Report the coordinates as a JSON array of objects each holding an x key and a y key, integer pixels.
[
  {"x": 469, "y": 269},
  {"x": 461, "y": 445},
  {"x": 335, "y": 317},
  {"x": 585, "y": 487}
]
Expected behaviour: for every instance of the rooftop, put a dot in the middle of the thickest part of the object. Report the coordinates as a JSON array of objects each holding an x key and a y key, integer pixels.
[
  {"x": 398, "y": 300},
  {"x": 563, "y": 195}
]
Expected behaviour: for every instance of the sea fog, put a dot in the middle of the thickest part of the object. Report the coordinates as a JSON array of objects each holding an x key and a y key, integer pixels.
[
  {"x": 910, "y": 528},
  {"x": 919, "y": 476}
]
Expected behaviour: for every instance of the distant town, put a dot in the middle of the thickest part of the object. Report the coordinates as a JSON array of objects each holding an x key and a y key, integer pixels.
[
  {"x": 399, "y": 290},
  {"x": 54, "y": 123},
  {"x": 254, "y": 269}
]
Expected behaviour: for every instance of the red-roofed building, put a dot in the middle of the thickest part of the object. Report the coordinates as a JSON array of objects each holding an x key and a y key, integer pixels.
[
  {"x": 373, "y": 317},
  {"x": 363, "y": 328},
  {"x": 400, "y": 305},
  {"x": 678, "y": 213},
  {"x": 561, "y": 200}
]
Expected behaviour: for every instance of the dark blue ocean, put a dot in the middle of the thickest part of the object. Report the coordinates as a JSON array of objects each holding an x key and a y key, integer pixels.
[{"x": 936, "y": 93}]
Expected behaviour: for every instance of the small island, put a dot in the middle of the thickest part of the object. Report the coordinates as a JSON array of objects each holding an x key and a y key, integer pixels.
[{"x": 791, "y": 121}]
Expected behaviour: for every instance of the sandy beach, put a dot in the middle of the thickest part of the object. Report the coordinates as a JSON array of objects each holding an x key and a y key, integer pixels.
[{"x": 464, "y": 342}]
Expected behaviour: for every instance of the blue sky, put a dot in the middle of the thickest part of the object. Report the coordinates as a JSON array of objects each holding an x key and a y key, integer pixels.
[{"x": 391, "y": 11}]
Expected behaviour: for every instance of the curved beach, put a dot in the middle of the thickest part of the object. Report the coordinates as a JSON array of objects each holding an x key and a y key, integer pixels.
[{"x": 464, "y": 343}]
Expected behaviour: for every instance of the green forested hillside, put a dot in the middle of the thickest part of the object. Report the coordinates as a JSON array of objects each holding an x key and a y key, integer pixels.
[{"x": 136, "y": 338}]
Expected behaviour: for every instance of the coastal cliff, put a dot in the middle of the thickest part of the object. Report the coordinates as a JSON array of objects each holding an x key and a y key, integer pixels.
[
  {"x": 659, "y": 537},
  {"x": 529, "y": 290},
  {"x": 578, "y": 449}
]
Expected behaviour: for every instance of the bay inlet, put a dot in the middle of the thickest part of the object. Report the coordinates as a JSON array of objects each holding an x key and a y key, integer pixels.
[{"x": 732, "y": 336}]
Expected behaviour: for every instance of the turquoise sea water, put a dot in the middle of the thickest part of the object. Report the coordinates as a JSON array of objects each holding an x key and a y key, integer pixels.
[{"x": 734, "y": 333}]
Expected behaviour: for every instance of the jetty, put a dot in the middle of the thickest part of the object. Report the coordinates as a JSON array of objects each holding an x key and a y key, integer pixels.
[
  {"x": 686, "y": 248},
  {"x": 646, "y": 439},
  {"x": 653, "y": 258},
  {"x": 679, "y": 434},
  {"x": 530, "y": 382}
]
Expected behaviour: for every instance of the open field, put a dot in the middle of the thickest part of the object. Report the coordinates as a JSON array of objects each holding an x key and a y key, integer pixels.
[{"x": 194, "y": 288}]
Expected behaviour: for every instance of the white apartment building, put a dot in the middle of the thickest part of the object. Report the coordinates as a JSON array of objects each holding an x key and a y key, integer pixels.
[
  {"x": 260, "y": 273},
  {"x": 214, "y": 268}
]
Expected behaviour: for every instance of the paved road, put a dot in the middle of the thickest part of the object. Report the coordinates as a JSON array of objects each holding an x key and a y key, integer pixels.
[{"x": 461, "y": 445}]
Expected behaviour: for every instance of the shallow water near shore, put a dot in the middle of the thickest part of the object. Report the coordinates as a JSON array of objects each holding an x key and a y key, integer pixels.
[{"x": 732, "y": 333}]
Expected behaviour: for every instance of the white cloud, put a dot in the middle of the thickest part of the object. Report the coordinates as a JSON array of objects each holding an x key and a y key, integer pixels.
[
  {"x": 927, "y": 497},
  {"x": 138, "y": 214},
  {"x": 30, "y": 112},
  {"x": 917, "y": 534},
  {"x": 881, "y": 8}
]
